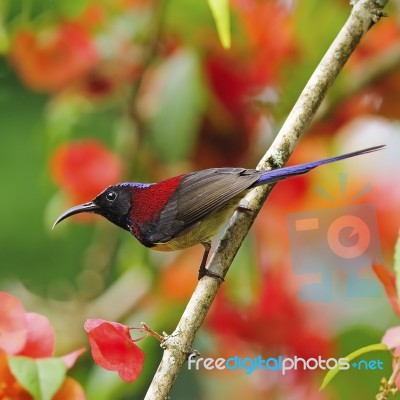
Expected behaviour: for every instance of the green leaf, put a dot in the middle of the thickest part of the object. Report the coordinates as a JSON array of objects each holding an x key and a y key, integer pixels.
[
  {"x": 397, "y": 265},
  {"x": 71, "y": 8},
  {"x": 311, "y": 45},
  {"x": 220, "y": 11},
  {"x": 4, "y": 35},
  {"x": 40, "y": 377},
  {"x": 363, "y": 350},
  {"x": 4, "y": 40},
  {"x": 186, "y": 18},
  {"x": 178, "y": 106}
]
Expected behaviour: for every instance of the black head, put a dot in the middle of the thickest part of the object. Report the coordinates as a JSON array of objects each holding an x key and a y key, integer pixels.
[{"x": 114, "y": 203}]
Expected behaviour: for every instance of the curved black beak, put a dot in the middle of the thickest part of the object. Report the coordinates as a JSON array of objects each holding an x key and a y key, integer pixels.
[{"x": 86, "y": 207}]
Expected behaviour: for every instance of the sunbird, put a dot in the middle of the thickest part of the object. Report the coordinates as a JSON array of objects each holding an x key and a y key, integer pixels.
[{"x": 188, "y": 209}]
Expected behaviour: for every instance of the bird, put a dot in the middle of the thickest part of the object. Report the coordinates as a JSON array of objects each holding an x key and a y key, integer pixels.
[{"x": 187, "y": 209}]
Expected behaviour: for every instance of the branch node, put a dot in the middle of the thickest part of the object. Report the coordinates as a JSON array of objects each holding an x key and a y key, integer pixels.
[{"x": 377, "y": 14}]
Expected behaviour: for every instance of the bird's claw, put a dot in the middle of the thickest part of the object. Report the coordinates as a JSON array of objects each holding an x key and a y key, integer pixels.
[{"x": 206, "y": 272}]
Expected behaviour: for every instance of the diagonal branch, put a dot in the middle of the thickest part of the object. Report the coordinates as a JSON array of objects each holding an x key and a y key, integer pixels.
[{"x": 178, "y": 345}]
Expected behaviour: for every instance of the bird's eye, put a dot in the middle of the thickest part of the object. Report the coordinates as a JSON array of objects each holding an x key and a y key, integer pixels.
[{"x": 111, "y": 196}]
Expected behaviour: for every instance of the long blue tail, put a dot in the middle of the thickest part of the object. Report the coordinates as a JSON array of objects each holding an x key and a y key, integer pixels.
[{"x": 286, "y": 172}]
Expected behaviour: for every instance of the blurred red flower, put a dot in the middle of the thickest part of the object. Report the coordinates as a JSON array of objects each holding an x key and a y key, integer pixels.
[
  {"x": 276, "y": 322},
  {"x": 386, "y": 35},
  {"x": 270, "y": 38},
  {"x": 84, "y": 168},
  {"x": 30, "y": 335},
  {"x": 381, "y": 95},
  {"x": 236, "y": 76},
  {"x": 388, "y": 280},
  {"x": 49, "y": 60},
  {"x": 113, "y": 348}
]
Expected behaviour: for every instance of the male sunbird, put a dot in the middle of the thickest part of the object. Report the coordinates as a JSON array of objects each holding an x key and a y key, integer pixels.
[{"x": 188, "y": 209}]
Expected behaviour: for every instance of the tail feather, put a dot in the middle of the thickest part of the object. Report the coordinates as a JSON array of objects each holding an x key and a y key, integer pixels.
[{"x": 286, "y": 172}]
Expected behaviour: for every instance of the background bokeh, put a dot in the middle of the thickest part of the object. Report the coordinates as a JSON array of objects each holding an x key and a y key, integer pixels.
[{"x": 97, "y": 92}]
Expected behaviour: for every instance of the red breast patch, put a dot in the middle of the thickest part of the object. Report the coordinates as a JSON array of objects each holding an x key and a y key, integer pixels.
[{"x": 148, "y": 202}]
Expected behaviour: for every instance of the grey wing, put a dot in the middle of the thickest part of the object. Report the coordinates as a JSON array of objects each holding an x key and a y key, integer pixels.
[{"x": 199, "y": 194}]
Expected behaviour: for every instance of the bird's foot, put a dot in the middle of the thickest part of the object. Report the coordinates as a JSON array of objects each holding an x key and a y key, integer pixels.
[{"x": 203, "y": 271}]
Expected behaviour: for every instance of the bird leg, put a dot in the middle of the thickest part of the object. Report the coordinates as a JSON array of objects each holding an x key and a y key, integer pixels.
[{"x": 203, "y": 271}]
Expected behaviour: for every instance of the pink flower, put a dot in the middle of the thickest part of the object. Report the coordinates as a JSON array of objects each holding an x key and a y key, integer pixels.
[
  {"x": 32, "y": 336},
  {"x": 392, "y": 340}
]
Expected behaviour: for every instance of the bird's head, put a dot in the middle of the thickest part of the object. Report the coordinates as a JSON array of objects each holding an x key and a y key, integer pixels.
[{"x": 113, "y": 203}]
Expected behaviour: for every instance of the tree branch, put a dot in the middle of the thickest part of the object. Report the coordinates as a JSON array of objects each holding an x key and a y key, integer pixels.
[{"x": 178, "y": 345}]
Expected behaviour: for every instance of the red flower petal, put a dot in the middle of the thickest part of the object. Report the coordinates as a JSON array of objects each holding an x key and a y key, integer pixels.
[
  {"x": 13, "y": 325},
  {"x": 50, "y": 60},
  {"x": 40, "y": 340},
  {"x": 71, "y": 358},
  {"x": 388, "y": 281},
  {"x": 113, "y": 348},
  {"x": 5, "y": 373},
  {"x": 10, "y": 389}
]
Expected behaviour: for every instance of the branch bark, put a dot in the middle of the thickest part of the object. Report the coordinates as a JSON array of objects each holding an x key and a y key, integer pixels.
[{"x": 179, "y": 344}]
